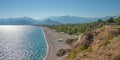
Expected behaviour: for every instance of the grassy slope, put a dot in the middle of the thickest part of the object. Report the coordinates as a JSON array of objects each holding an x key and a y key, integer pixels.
[
  {"x": 100, "y": 40},
  {"x": 105, "y": 46}
]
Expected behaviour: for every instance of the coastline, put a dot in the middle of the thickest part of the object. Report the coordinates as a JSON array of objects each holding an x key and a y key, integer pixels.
[
  {"x": 53, "y": 44},
  {"x": 46, "y": 43}
]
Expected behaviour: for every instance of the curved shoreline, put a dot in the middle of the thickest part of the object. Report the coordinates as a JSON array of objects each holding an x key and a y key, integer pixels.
[
  {"x": 46, "y": 44},
  {"x": 53, "y": 43}
]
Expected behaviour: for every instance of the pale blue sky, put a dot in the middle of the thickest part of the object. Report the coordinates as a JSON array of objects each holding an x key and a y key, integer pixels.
[{"x": 45, "y": 8}]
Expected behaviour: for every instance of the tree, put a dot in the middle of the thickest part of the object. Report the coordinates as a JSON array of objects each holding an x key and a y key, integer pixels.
[
  {"x": 117, "y": 20},
  {"x": 100, "y": 20},
  {"x": 110, "y": 20}
]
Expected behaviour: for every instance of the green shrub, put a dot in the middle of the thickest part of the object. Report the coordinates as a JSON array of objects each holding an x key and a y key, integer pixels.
[
  {"x": 110, "y": 37},
  {"x": 70, "y": 41},
  {"x": 72, "y": 54},
  {"x": 90, "y": 49},
  {"x": 81, "y": 48},
  {"x": 105, "y": 42}
]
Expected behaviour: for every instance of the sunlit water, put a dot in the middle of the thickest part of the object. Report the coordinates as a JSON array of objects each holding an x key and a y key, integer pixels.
[{"x": 22, "y": 43}]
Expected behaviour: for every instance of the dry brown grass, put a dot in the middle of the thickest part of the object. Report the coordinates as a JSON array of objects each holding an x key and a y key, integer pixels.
[{"x": 109, "y": 50}]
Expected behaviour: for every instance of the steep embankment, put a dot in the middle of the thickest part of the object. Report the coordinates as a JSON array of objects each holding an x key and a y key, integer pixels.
[{"x": 100, "y": 44}]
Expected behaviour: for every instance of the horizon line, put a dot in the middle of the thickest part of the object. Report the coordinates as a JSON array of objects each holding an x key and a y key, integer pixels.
[{"x": 55, "y": 16}]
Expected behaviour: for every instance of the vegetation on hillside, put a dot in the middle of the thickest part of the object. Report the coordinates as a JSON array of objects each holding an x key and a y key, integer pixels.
[
  {"x": 75, "y": 29},
  {"x": 100, "y": 39},
  {"x": 100, "y": 44}
]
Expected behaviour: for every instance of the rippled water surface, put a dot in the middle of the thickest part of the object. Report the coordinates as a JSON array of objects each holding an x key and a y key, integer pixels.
[{"x": 22, "y": 43}]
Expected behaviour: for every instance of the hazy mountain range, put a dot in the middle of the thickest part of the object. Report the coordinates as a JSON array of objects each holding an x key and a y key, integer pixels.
[
  {"x": 74, "y": 19},
  {"x": 17, "y": 21},
  {"x": 49, "y": 21}
]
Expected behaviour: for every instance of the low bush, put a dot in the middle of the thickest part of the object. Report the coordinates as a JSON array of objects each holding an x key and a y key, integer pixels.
[
  {"x": 72, "y": 54},
  {"x": 110, "y": 37},
  {"x": 70, "y": 41},
  {"x": 105, "y": 42},
  {"x": 89, "y": 49},
  {"x": 81, "y": 48}
]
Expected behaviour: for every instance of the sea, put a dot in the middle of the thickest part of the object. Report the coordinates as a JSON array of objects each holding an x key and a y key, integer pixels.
[{"x": 22, "y": 42}]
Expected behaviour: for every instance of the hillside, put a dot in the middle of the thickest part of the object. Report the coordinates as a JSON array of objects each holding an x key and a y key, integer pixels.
[
  {"x": 98, "y": 40},
  {"x": 100, "y": 44},
  {"x": 76, "y": 29}
]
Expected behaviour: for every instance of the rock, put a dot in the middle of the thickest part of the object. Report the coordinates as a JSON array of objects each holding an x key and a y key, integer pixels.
[{"x": 60, "y": 52}]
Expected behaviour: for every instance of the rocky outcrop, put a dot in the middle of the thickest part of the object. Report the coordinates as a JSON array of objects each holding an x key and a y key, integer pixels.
[{"x": 100, "y": 44}]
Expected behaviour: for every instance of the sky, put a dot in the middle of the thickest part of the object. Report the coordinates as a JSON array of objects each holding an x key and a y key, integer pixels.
[{"x": 38, "y": 9}]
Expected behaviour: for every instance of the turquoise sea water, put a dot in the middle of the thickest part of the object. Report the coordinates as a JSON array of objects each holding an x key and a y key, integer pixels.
[{"x": 22, "y": 42}]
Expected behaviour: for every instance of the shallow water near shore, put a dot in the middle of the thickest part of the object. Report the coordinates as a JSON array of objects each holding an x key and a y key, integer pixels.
[{"x": 22, "y": 42}]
